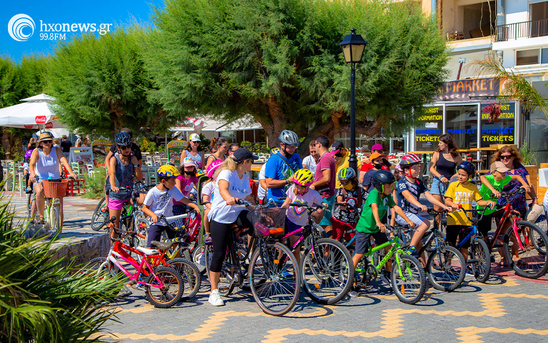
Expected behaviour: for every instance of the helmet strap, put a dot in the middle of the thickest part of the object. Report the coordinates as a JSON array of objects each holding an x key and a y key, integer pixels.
[{"x": 285, "y": 153}]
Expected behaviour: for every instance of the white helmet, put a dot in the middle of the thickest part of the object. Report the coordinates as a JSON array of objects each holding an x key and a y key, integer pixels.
[{"x": 289, "y": 137}]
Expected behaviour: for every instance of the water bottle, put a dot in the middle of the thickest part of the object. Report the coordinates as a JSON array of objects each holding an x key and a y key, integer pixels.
[{"x": 262, "y": 229}]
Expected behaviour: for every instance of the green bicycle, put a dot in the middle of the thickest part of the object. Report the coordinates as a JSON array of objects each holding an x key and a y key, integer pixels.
[{"x": 407, "y": 278}]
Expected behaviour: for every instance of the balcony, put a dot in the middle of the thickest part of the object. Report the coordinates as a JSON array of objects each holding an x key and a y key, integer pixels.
[{"x": 526, "y": 29}]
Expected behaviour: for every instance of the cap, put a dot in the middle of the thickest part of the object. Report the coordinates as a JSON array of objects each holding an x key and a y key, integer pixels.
[
  {"x": 45, "y": 136},
  {"x": 243, "y": 154},
  {"x": 189, "y": 162},
  {"x": 336, "y": 147},
  {"x": 375, "y": 155},
  {"x": 194, "y": 137},
  {"x": 377, "y": 147},
  {"x": 498, "y": 166}
]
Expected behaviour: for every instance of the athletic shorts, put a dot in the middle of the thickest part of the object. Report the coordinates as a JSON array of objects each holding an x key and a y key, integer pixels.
[
  {"x": 413, "y": 217},
  {"x": 115, "y": 204},
  {"x": 363, "y": 241}
]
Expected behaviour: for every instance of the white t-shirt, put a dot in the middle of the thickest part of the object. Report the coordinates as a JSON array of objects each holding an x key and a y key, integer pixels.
[
  {"x": 298, "y": 215},
  {"x": 238, "y": 188},
  {"x": 261, "y": 193},
  {"x": 208, "y": 190},
  {"x": 545, "y": 203},
  {"x": 310, "y": 163},
  {"x": 160, "y": 202}
]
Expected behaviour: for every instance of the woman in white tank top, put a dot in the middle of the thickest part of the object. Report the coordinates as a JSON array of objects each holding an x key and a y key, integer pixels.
[{"x": 45, "y": 163}]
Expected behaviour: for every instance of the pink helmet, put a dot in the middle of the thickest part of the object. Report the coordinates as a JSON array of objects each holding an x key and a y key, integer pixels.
[{"x": 212, "y": 167}]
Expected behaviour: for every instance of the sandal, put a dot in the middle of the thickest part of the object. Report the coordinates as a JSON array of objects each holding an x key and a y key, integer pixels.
[{"x": 504, "y": 264}]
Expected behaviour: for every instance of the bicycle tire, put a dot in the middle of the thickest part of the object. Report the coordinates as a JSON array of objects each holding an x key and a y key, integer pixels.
[
  {"x": 198, "y": 257},
  {"x": 226, "y": 279},
  {"x": 327, "y": 271},
  {"x": 446, "y": 268},
  {"x": 481, "y": 265},
  {"x": 409, "y": 282},
  {"x": 537, "y": 242},
  {"x": 99, "y": 219},
  {"x": 102, "y": 268},
  {"x": 533, "y": 263},
  {"x": 55, "y": 217},
  {"x": 190, "y": 275},
  {"x": 274, "y": 280},
  {"x": 172, "y": 291}
]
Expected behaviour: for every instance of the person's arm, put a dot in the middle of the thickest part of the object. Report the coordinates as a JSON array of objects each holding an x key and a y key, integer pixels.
[
  {"x": 203, "y": 160},
  {"x": 183, "y": 155},
  {"x": 179, "y": 185},
  {"x": 533, "y": 192},
  {"x": 151, "y": 214},
  {"x": 360, "y": 178},
  {"x": 262, "y": 182},
  {"x": 208, "y": 161},
  {"x": 112, "y": 175},
  {"x": 63, "y": 160},
  {"x": 107, "y": 160},
  {"x": 407, "y": 195},
  {"x": 326, "y": 178},
  {"x": 487, "y": 184},
  {"x": 189, "y": 203},
  {"x": 375, "y": 210},
  {"x": 489, "y": 203},
  {"x": 432, "y": 169},
  {"x": 286, "y": 203},
  {"x": 223, "y": 191},
  {"x": 522, "y": 181},
  {"x": 273, "y": 183},
  {"x": 435, "y": 201},
  {"x": 137, "y": 166},
  {"x": 206, "y": 201},
  {"x": 402, "y": 214},
  {"x": 32, "y": 165}
]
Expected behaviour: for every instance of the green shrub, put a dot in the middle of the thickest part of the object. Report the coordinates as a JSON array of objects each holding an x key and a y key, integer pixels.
[
  {"x": 41, "y": 298},
  {"x": 95, "y": 184}
]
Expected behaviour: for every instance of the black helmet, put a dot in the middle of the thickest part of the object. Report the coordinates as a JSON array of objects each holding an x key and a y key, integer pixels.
[
  {"x": 468, "y": 167},
  {"x": 381, "y": 178}
]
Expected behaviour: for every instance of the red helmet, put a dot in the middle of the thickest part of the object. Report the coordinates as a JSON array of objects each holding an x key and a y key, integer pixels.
[{"x": 409, "y": 160}]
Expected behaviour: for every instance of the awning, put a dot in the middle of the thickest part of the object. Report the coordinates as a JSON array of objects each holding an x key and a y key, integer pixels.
[
  {"x": 34, "y": 113},
  {"x": 245, "y": 123}
]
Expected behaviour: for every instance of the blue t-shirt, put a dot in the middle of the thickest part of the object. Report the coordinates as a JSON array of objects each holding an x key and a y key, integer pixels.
[
  {"x": 368, "y": 179},
  {"x": 415, "y": 188},
  {"x": 278, "y": 169}
]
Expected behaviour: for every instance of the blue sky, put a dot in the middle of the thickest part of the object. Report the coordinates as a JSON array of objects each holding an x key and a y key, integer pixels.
[{"x": 76, "y": 15}]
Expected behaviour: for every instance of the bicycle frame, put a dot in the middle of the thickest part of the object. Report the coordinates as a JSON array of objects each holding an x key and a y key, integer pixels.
[{"x": 508, "y": 211}]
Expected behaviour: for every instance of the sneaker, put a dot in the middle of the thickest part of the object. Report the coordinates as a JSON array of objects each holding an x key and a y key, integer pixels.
[
  {"x": 28, "y": 190},
  {"x": 469, "y": 271},
  {"x": 353, "y": 294},
  {"x": 215, "y": 298},
  {"x": 413, "y": 251}
]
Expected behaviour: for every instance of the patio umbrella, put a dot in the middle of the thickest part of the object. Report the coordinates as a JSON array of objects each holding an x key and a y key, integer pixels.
[{"x": 33, "y": 113}]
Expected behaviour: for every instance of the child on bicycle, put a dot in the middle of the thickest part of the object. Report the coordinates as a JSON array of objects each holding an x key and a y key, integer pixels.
[
  {"x": 185, "y": 182},
  {"x": 461, "y": 195},
  {"x": 491, "y": 186},
  {"x": 207, "y": 191},
  {"x": 410, "y": 188},
  {"x": 159, "y": 201},
  {"x": 345, "y": 217},
  {"x": 375, "y": 208},
  {"x": 301, "y": 192}
]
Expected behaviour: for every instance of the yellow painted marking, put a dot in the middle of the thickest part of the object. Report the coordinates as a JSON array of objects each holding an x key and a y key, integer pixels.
[
  {"x": 141, "y": 309},
  {"x": 472, "y": 334}
]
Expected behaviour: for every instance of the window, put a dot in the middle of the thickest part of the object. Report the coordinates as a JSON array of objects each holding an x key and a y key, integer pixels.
[
  {"x": 533, "y": 56},
  {"x": 430, "y": 129},
  {"x": 501, "y": 132},
  {"x": 462, "y": 124}
]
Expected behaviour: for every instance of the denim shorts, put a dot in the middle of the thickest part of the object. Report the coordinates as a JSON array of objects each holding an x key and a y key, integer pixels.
[{"x": 438, "y": 187}]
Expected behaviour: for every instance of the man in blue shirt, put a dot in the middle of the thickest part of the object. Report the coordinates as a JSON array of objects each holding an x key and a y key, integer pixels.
[{"x": 282, "y": 165}]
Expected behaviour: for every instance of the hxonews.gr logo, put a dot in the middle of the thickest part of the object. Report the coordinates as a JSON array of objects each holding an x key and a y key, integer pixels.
[{"x": 21, "y": 27}]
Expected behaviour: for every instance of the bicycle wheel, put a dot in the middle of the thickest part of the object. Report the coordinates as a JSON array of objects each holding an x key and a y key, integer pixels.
[
  {"x": 198, "y": 257},
  {"x": 446, "y": 268},
  {"x": 537, "y": 241},
  {"x": 480, "y": 259},
  {"x": 190, "y": 275},
  {"x": 327, "y": 271},
  {"x": 171, "y": 291},
  {"x": 531, "y": 262},
  {"x": 408, "y": 279},
  {"x": 55, "y": 216},
  {"x": 227, "y": 278},
  {"x": 274, "y": 278},
  {"x": 99, "y": 219},
  {"x": 102, "y": 268}
]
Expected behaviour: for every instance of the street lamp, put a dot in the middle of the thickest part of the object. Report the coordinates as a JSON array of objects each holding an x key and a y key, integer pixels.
[{"x": 352, "y": 47}]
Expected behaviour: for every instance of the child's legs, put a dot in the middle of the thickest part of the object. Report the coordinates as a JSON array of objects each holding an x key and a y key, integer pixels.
[
  {"x": 362, "y": 245},
  {"x": 380, "y": 238},
  {"x": 421, "y": 225}
]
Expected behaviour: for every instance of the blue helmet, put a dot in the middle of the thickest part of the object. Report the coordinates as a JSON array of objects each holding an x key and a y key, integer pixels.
[
  {"x": 468, "y": 167},
  {"x": 122, "y": 138}
]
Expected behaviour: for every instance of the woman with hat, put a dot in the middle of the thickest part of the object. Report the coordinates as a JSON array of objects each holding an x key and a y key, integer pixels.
[
  {"x": 194, "y": 151},
  {"x": 44, "y": 164}
]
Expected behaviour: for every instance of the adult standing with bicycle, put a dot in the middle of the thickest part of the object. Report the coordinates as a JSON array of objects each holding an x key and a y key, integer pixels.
[
  {"x": 232, "y": 184},
  {"x": 121, "y": 170},
  {"x": 44, "y": 164}
]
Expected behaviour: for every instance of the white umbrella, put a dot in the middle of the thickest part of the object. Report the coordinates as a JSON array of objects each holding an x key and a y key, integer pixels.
[{"x": 34, "y": 113}]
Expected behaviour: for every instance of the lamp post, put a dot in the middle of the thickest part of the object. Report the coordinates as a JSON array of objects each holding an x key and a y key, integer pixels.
[{"x": 352, "y": 47}]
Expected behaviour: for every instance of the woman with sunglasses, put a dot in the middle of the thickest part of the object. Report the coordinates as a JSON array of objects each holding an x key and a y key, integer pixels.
[
  {"x": 44, "y": 164},
  {"x": 194, "y": 151},
  {"x": 511, "y": 158}
]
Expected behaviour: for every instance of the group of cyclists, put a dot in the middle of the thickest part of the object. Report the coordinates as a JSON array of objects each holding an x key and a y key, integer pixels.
[{"x": 348, "y": 204}]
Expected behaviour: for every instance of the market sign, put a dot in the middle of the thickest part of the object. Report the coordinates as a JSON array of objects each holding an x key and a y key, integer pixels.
[{"x": 466, "y": 89}]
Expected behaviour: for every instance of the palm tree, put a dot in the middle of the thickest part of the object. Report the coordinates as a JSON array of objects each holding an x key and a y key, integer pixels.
[
  {"x": 515, "y": 87},
  {"x": 43, "y": 299}
]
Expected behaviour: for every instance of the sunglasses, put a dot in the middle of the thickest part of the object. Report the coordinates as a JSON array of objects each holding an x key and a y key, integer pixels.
[
  {"x": 124, "y": 147},
  {"x": 506, "y": 157},
  {"x": 48, "y": 142}
]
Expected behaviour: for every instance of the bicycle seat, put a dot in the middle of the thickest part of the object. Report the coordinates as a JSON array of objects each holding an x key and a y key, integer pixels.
[
  {"x": 162, "y": 245},
  {"x": 148, "y": 251}
]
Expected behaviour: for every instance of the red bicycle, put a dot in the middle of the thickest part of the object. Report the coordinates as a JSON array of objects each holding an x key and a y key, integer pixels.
[{"x": 524, "y": 243}]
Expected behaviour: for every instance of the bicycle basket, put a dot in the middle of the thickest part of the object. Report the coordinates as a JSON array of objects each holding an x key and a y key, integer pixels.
[
  {"x": 55, "y": 189},
  {"x": 268, "y": 221}
]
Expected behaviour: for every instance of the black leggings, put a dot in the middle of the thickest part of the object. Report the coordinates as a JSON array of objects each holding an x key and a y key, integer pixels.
[{"x": 221, "y": 237}]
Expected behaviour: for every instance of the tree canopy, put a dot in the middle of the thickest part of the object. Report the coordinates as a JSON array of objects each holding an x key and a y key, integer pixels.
[
  {"x": 280, "y": 61},
  {"x": 101, "y": 86}
]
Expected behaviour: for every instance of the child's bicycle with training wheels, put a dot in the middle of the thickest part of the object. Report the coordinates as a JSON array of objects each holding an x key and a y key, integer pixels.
[
  {"x": 479, "y": 258},
  {"x": 162, "y": 284},
  {"x": 523, "y": 243},
  {"x": 273, "y": 271},
  {"x": 408, "y": 279},
  {"x": 54, "y": 191},
  {"x": 326, "y": 267}
]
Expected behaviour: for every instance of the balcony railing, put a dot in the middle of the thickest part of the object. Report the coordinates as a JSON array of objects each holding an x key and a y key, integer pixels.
[{"x": 526, "y": 29}]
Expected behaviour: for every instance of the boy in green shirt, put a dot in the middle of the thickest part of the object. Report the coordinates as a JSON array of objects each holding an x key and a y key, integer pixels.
[{"x": 376, "y": 206}]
